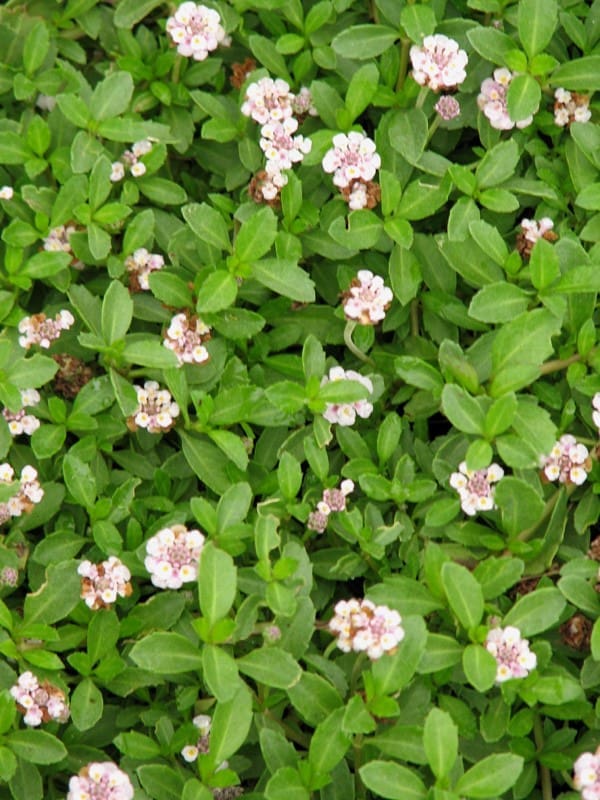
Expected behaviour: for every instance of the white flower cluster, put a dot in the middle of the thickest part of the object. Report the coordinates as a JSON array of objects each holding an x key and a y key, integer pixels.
[
  {"x": 39, "y": 702},
  {"x": 536, "y": 229},
  {"x": 140, "y": 265},
  {"x": 571, "y": 107},
  {"x": 345, "y": 413},
  {"x": 596, "y": 411},
  {"x": 438, "y": 63},
  {"x": 587, "y": 775},
  {"x": 102, "y": 583},
  {"x": 270, "y": 103},
  {"x": 38, "y": 329},
  {"x": 353, "y": 160},
  {"x": 6, "y": 193},
  {"x": 568, "y": 462},
  {"x": 186, "y": 337},
  {"x": 28, "y": 493},
  {"x": 196, "y": 30},
  {"x": 156, "y": 411},
  {"x": 332, "y": 500},
  {"x": 20, "y": 421},
  {"x": 475, "y": 487},
  {"x": 100, "y": 781},
  {"x": 492, "y": 101},
  {"x": 131, "y": 160},
  {"x": 173, "y": 555},
  {"x": 367, "y": 299},
  {"x": 191, "y": 751},
  {"x": 57, "y": 240},
  {"x": 512, "y": 653},
  {"x": 361, "y": 626}
]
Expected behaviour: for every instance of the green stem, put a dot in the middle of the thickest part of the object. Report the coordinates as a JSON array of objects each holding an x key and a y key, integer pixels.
[
  {"x": 403, "y": 69},
  {"x": 176, "y": 72},
  {"x": 433, "y": 127},
  {"x": 414, "y": 318},
  {"x": 421, "y": 96},
  {"x": 559, "y": 363},
  {"x": 348, "y": 330},
  {"x": 525, "y": 535},
  {"x": 545, "y": 778},
  {"x": 360, "y": 790},
  {"x": 374, "y": 11}
]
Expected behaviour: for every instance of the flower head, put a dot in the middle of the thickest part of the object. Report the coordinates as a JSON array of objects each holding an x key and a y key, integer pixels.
[
  {"x": 361, "y": 626},
  {"x": 20, "y": 421},
  {"x": 281, "y": 148},
  {"x": 596, "y": 411},
  {"x": 447, "y": 107},
  {"x": 352, "y": 158},
  {"x": 268, "y": 101},
  {"x": 173, "y": 555},
  {"x": 156, "y": 411},
  {"x": 512, "y": 653},
  {"x": 531, "y": 231},
  {"x": 345, "y": 413},
  {"x": 302, "y": 104},
  {"x": 38, "y": 329},
  {"x": 100, "y": 781},
  {"x": 568, "y": 462},
  {"x": 186, "y": 337},
  {"x": 6, "y": 193},
  {"x": 367, "y": 299},
  {"x": 332, "y": 500},
  {"x": 587, "y": 775},
  {"x": 72, "y": 375},
  {"x": 102, "y": 583},
  {"x": 140, "y": 265},
  {"x": 475, "y": 487},
  {"x": 266, "y": 187},
  {"x": 492, "y": 101},
  {"x": 196, "y": 30},
  {"x": 39, "y": 702},
  {"x": 191, "y": 751},
  {"x": 571, "y": 107},
  {"x": 439, "y": 63},
  {"x": 27, "y": 494}
]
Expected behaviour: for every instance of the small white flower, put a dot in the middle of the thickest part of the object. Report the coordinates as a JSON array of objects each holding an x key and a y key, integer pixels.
[
  {"x": 439, "y": 63},
  {"x": 475, "y": 487}
]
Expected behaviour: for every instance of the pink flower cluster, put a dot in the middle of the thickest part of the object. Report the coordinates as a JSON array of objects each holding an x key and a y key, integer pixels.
[
  {"x": 39, "y": 702},
  {"x": 38, "y": 329},
  {"x": 596, "y": 411},
  {"x": 568, "y": 462},
  {"x": 438, "y": 63},
  {"x": 57, "y": 240},
  {"x": 271, "y": 103},
  {"x": 534, "y": 230},
  {"x": 186, "y": 337},
  {"x": 196, "y": 30},
  {"x": 475, "y": 487},
  {"x": 131, "y": 160},
  {"x": 332, "y": 500},
  {"x": 587, "y": 775},
  {"x": 100, "y": 781},
  {"x": 191, "y": 751},
  {"x": 571, "y": 107},
  {"x": 367, "y": 299},
  {"x": 20, "y": 421},
  {"x": 156, "y": 411},
  {"x": 140, "y": 265},
  {"x": 102, "y": 583},
  {"x": 28, "y": 493},
  {"x": 447, "y": 107},
  {"x": 361, "y": 626},
  {"x": 173, "y": 555},
  {"x": 345, "y": 413},
  {"x": 353, "y": 161},
  {"x": 492, "y": 101},
  {"x": 512, "y": 653}
]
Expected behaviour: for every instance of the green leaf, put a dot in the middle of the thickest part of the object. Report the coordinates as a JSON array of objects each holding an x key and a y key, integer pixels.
[
  {"x": 537, "y": 21},
  {"x": 87, "y": 705},
  {"x": 231, "y": 445},
  {"x": 543, "y": 264},
  {"x": 162, "y": 191},
  {"x": 271, "y": 666},
  {"x": 285, "y": 277},
  {"x": 408, "y": 133},
  {"x": 523, "y": 97},
  {"x": 463, "y": 411},
  {"x": 99, "y": 242},
  {"x": 35, "y": 47},
  {"x": 479, "y": 666},
  {"x": 421, "y": 198},
  {"x": 208, "y": 225},
  {"x": 126, "y": 129},
  {"x": 463, "y": 593},
  {"x": 595, "y": 640},
  {"x": 45, "y": 264},
  {"x": 440, "y": 740},
  {"x": 125, "y": 393},
  {"x": 111, "y": 96},
  {"x": 364, "y": 41},
  {"x": 491, "y": 777},
  {"x": 256, "y": 236},
  {"x": 8, "y": 764},
  {"x": 361, "y": 89},
  {"x": 396, "y": 670},
  {"x": 285, "y": 783},
  {"x": 139, "y": 231},
  {"x": 525, "y": 340},
  {"x": 218, "y": 291},
  {"x": 102, "y": 635},
  {"x": 36, "y": 747},
  {"x": 418, "y": 21},
  {"x": 166, "y": 653},
  {"x": 56, "y": 597},
  {"x": 536, "y": 612},
  {"x": 491, "y": 44},
  {"x": 578, "y": 74},
  {"x": 266, "y": 54},
  {"x": 137, "y": 745},
  {"x": 230, "y": 725},
  {"x": 329, "y": 743},
  {"x": 220, "y": 672},
  {"x": 32, "y": 372},
  {"x": 217, "y": 583},
  {"x": 498, "y": 164},
  {"x": 521, "y": 506},
  {"x": 129, "y": 12},
  {"x": 170, "y": 289},
  {"x": 498, "y": 302},
  {"x": 13, "y": 149},
  {"x": 207, "y": 462},
  {"x": 576, "y": 280},
  {"x": 160, "y": 781},
  {"x": 117, "y": 312},
  {"x": 500, "y": 415},
  {"x": 79, "y": 480},
  {"x": 149, "y": 354},
  {"x": 392, "y": 781}
]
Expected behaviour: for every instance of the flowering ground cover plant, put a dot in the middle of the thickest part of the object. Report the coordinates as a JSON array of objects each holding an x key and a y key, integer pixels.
[{"x": 300, "y": 400}]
